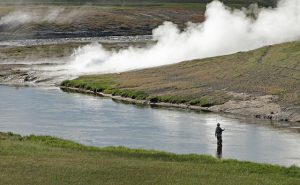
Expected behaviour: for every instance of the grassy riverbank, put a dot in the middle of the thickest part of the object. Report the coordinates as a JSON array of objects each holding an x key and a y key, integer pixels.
[
  {"x": 48, "y": 160},
  {"x": 271, "y": 70}
]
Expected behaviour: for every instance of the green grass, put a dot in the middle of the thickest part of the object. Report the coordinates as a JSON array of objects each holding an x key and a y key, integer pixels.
[
  {"x": 47, "y": 160},
  {"x": 107, "y": 85},
  {"x": 272, "y": 70},
  {"x": 104, "y": 85}
]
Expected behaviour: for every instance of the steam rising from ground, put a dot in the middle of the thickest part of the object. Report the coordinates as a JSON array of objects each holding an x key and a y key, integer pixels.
[
  {"x": 225, "y": 31},
  {"x": 50, "y": 15}
]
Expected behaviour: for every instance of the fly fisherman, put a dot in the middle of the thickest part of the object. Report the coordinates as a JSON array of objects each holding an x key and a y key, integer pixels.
[{"x": 218, "y": 134}]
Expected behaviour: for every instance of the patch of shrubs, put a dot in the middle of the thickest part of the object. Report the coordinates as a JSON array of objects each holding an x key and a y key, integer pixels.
[
  {"x": 136, "y": 94},
  {"x": 203, "y": 102},
  {"x": 127, "y": 93}
]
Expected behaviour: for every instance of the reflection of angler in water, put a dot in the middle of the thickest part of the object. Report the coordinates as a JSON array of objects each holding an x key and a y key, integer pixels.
[{"x": 219, "y": 152}]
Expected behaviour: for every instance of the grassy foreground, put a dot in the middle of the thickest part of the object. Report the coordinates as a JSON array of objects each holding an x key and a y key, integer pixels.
[
  {"x": 48, "y": 160},
  {"x": 271, "y": 70}
]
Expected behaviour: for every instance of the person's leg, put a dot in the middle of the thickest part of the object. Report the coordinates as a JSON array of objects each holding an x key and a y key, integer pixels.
[{"x": 219, "y": 140}]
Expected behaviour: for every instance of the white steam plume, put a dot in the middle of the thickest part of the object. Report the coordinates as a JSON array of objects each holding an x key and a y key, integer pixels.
[
  {"x": 224, "y": 31},
  {"x": 16, "y": 18},
  {"x": 50, "y": 15}
]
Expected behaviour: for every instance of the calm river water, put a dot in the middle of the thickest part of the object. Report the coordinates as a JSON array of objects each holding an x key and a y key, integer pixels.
[{"x": 102, "y": 122}]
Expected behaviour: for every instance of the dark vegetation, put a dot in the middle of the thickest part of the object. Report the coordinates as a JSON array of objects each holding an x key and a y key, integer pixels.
[
  {"x": 48, "y": 160},
  {"x": 271, "y": 70}
]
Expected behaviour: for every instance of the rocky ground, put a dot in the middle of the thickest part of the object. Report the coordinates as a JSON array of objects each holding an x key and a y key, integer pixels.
[
  {"x": 42, "y": 65},
  {"x": 262, "y": 107}
]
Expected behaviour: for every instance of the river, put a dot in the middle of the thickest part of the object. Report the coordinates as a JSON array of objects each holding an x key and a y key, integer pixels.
[{"x": 103, "y": 122}]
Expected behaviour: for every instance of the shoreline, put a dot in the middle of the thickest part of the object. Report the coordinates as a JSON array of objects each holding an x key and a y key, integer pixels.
[
  {"x": 219, "y": 109},
  {"x": 61, "y": 142},
  {"x": 134, "y": 101}
]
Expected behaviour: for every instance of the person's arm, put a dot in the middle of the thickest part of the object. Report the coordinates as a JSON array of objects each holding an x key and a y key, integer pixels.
[{"x": 216, "y": 133}]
